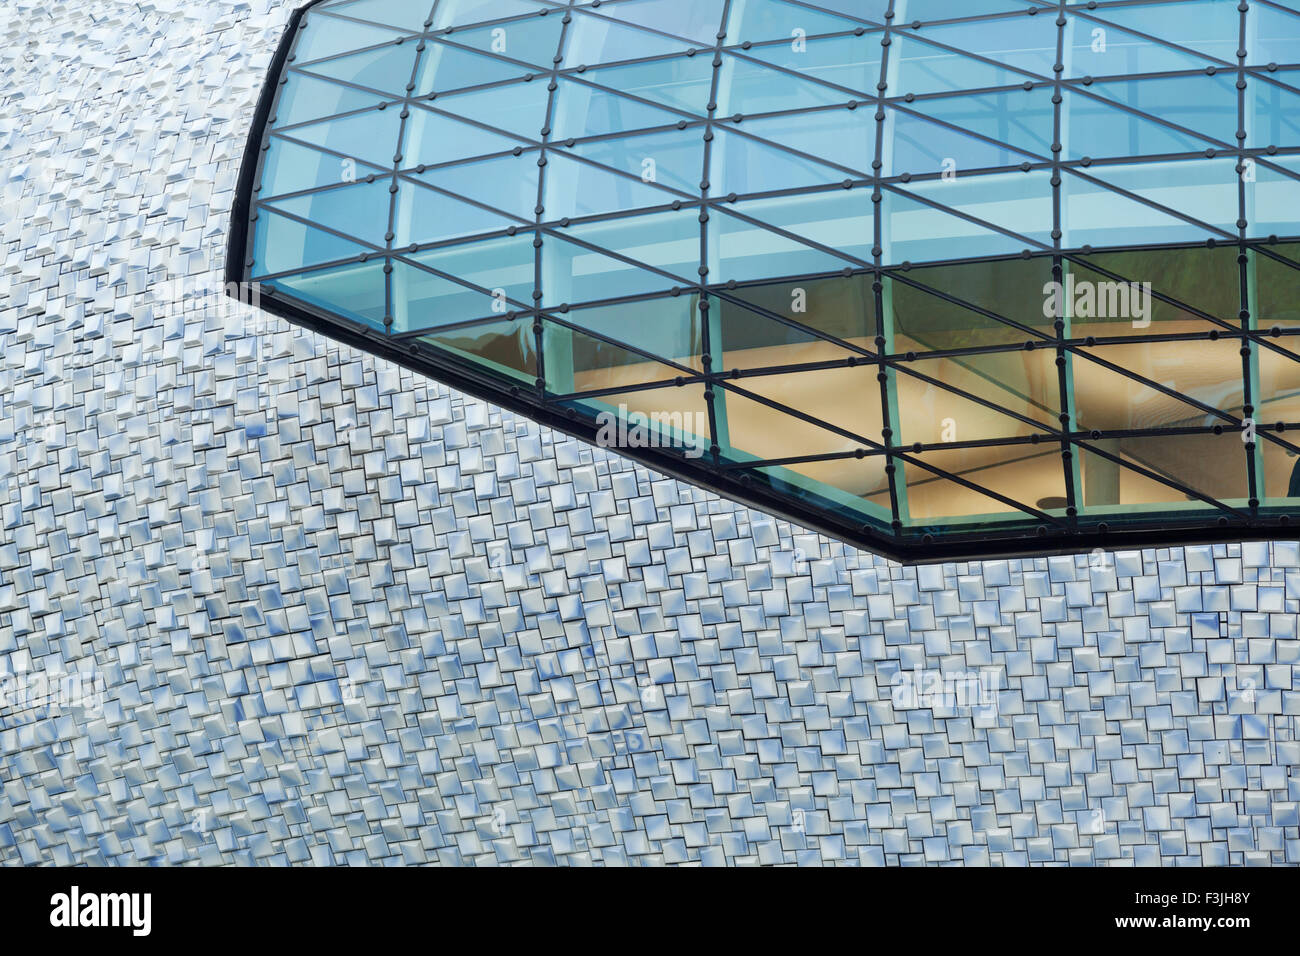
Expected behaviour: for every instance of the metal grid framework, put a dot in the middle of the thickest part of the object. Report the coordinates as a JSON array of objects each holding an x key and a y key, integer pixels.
[{"x": 330, "y": 205}]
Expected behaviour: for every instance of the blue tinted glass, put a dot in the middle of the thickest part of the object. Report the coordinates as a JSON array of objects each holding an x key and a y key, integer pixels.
[
  {"x": 745, "y": 251},
  {"x": 683, "y": 83},
  {"x": 356, "y": 292},
  {"x": 329, "y": 36},
  {"x": 502, "y": 267},
  {"x": 760, "y": 20},
  {"x": 1025, "y": 43},
  {"x": 584, "y": 110},
  {"x": 407, "y": 15},
  {"x": 668, "y": 241},
  {"x": 357, "y": 209},
  {"x": 446, "y": 68},
  {"x": 846, "y": 138},
  {"x": 1095, "y": 48},
  {"x": 1021, "y": 119},
  {"x": 424, "y": 215},
  {"x": 742, "y": 164},
  {"x": 573, "y": 274},
  {"x": 306, "y": 98},
  {"x": 1204, "y": 189},
  {"x": 1095, "y": 127},
  {"x": 290, "y": 167},
  {"x": 1015, "y": 209},
  {"x": 927, "y": 10},
  {"x": 532, "y": 41},
  {"x": 386, "y": 69},
  {"x": 282, "y": 244},
  {"x": 1203, "y": 104},
  {"x": 1094, "y": 215},
  {"x": 594, "y": 38},
  {"x": 1273, "y": 198},
  {"x": 456, "y": 13},
  {"x": 673, "y": 159},
  {"x": 424, "y": 300},
  {"x": 667, "y": 327},
  {"x": 1207, "y": 27},
  {"x": 518, "y": 108},
  {"x": 507, "y": 184},
  {"x": 696, "y": 20},
  {"x": 838, "y": 219},
  {"x": 1276, "y": 112},
  {"x": 433, "y": 138},
  {"x": 917, "y": 146},
  {"x": 575, "y": 189},
  {"x": 848, "y": 65},
  {"x": 922, "y": 68},
  {"x": 371, "y": 136}
]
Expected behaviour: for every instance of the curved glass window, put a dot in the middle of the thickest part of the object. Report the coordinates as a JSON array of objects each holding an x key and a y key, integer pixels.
[{"x": 941, "y": 277}]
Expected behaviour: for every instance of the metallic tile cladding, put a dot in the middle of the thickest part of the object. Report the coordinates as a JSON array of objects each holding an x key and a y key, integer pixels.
[{"x": 332, "y": 612}]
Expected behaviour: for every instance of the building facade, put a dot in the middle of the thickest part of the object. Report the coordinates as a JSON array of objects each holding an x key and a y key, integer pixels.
[{"x": 267, "y": 598}]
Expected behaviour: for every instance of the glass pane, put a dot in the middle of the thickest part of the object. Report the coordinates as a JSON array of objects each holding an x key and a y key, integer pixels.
[
  {"x": 667, "y": 241},
  {"x": 813, "y": 73},
  {"x": 358, "y": 209},
  {"x": 1032, "y": 476},
  {"x": 761, "y": 20},
  {"x": 424, "y": 215},
  {"x": 1273, "y": 197},
  {"x": 386, "y": 69},
  {"x": 933, "y": 403},
  {"x": 1096, "y": 45},
  {"x": 583, "y": 110},
  {"x": 516, "y": 108},
  {"x": 1276, "y": 112},
  {"x": 673, "y": 159},
  {"x": 290, "y": 168},
  {"x": 1094, "y": 215},
  {"x": 1011, "y": 289},
  {"x": 370, "y": 137},
  {"x": 284, "y": 245},
  {"x": 684, "y": 84},
  {"x": 1096, "y": 128},
  {"x": 356, "y": 291},
  {"x": 508, "y": 348},
  {"x": 845, "y": 138},
  {"x": 457, "y": 13},
  {"x": 423, "y": 300},
  {"x": 396, "y": 13},
  {"x": 1117, "y": 302},
  {"x": 444, "y": 68},
  {"x": 747, "y": 252},
  {"x": 841, "y": 220},
  {"x": 1205, "y": 105},
  {"x": 696, "y": 20},
  {"x": 1213, "y": 465},
  {"x": 1204, "y": 371},
  {"x": 531, "y": 41},
  {"x": 1273, "y": 36},
  {"x": 507, "y": 184},
  {"x": 744, "y": 165},
  {"x": 1019, "y": 48},
  {"x": 843, "y": 308},
  {"x": 432, "y": 138},
  {"x": 1208, "y": 27},
  {"x": 503, "y": 266},
  {"x": 665, "y": 327},
  {"x": 330, "y": 37},
  {"x": 1022, "y": 119},
  {"x": 1017, "y": 207},
  {"x": 594, "y": 38},
  {"x": 575, "y": 189},
  {"x": 916, "y": 146},
  {"x": 1205, "y": 190},
  {"x": 306, "y": 98}
]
